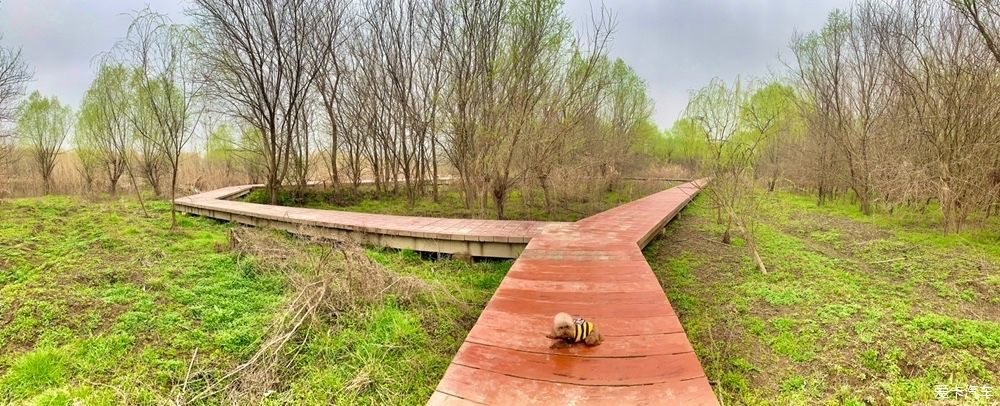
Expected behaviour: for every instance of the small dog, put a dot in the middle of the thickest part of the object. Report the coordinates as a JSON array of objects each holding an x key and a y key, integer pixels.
[{"x": 568, "y": 331}]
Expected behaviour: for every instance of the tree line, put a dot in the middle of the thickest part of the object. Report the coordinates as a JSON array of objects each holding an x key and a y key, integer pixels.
[
  {"x": 501, "y": 94},
  {"x": 893, "y": 103},
  {"x": 905, "y": 100}
]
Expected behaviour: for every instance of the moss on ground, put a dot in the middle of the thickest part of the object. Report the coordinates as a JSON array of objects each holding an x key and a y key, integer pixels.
[
  {"x": 103, "y": 305},
  {"x": 854, "y": 309}
]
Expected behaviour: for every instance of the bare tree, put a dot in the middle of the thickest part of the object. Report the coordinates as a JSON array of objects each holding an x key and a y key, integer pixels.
[
  {"x": 906, "y": 93},
  {"x": 821, "y": 70},
  {"x": 523, "y": 78},
  {"x": 302, "y": 150},
  {"x": 261, "y": 58},
  {"x": 950, "y": 100},
  {"x": 984, "y": 15},
  {"x": 841, "y": 73},
  {"x": 335, "y": 29},
  {"x": 506, "y": 62},
  {"x": 495, "y": 85},
  {"x": 14, "y": 74}
]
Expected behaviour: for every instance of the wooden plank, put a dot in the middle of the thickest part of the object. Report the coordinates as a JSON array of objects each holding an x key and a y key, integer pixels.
[
  {"x": 625, "y": 277},
  {"x": 491, "y": 388},
  {"x": 631, "y": 326},
  {"x": 535, "y": 341},
  {"x": 650, "y": 296},
  {"x": 498, "y": 389},
  {"x": 591, "y": 371},
  {"x": 590, "y": 311},
  {"x": 444, "y": 399},
  {"x": 573, "y": 286}
]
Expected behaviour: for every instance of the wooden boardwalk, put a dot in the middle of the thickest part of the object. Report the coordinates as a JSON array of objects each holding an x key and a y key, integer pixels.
[
  {"x": 592, "y": 268},
  {"x": 481, "y": 238}
]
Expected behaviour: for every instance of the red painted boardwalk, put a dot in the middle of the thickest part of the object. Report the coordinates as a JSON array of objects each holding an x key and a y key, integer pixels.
[{"x": 592, "y": 268}]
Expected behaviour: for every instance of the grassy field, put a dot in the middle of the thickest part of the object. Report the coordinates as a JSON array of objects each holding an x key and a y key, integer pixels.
[
  {"x": 520, "y": 205},
  {"x": 854, "y": 310},
  {"x": 101, "y": 304}
]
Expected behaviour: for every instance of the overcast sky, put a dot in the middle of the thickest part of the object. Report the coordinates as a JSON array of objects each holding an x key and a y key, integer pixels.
[{"x": 675, "y": 45}]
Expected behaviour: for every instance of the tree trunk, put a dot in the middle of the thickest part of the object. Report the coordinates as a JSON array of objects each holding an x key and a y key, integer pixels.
[
  {"x": 156, "y": 187},
  {"x": 138, "y": 192},
  {"x": 333, "y": 158},
  {"x": 173, "y": 196},
  {"x": 727, "y": 235},
  {"x": 112, "y": 185},
  {"x": 434, "y": 167},
  {"x": 866, "y": 205},
  {"x": 544, "y": 182},
  {"x": 499, "y": 198},
  {"x": 864, "y": 198}
]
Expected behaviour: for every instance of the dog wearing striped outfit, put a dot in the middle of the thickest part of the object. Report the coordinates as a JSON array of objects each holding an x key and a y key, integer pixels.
[{"x": 569, "y": 330}]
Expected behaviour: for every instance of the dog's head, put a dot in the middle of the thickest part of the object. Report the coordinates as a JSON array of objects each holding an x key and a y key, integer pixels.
[{"x": 562, "y": 326}]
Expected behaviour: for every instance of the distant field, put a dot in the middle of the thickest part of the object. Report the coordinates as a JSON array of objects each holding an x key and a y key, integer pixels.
[
  {"x": 521, "y": 205},
  {"x": 854, "y": 310},
  {"x": 101, "y": 304}
]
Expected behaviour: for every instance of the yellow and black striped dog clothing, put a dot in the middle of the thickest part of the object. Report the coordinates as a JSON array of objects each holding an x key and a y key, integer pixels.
[{"x": 583, "y": 329}]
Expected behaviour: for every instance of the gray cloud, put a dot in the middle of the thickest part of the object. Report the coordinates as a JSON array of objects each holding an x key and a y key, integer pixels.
[
  {"x": 679, "y": 45},
  {"x": 60, "y": 38},
  {"x": 675, "y": 45}
]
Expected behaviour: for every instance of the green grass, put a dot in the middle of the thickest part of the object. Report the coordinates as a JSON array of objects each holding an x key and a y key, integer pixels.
[
  {"x": 527, "y": 204},
  {"x": 854, "y": 309},
  {"x": 101, "y": 305}
]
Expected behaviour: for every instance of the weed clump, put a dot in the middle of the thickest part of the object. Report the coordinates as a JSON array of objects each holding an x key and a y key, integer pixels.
[
  {"x": 328, "y": 278},
  {"x": 34, "y": 372}
]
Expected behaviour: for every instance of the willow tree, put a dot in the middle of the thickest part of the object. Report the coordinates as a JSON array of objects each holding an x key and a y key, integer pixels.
[
  {"x": 42, "y": 127},
  {"x": 88, "y": 155},
  {"x": 735, "y": 126},
  {"x": 145, "y": 127},
  {"x": 102, "y": 124},
  {"x": 219, "y": 147},
  {"x": 687, "y": 144},
  {"x": 167, "y": 92}
]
